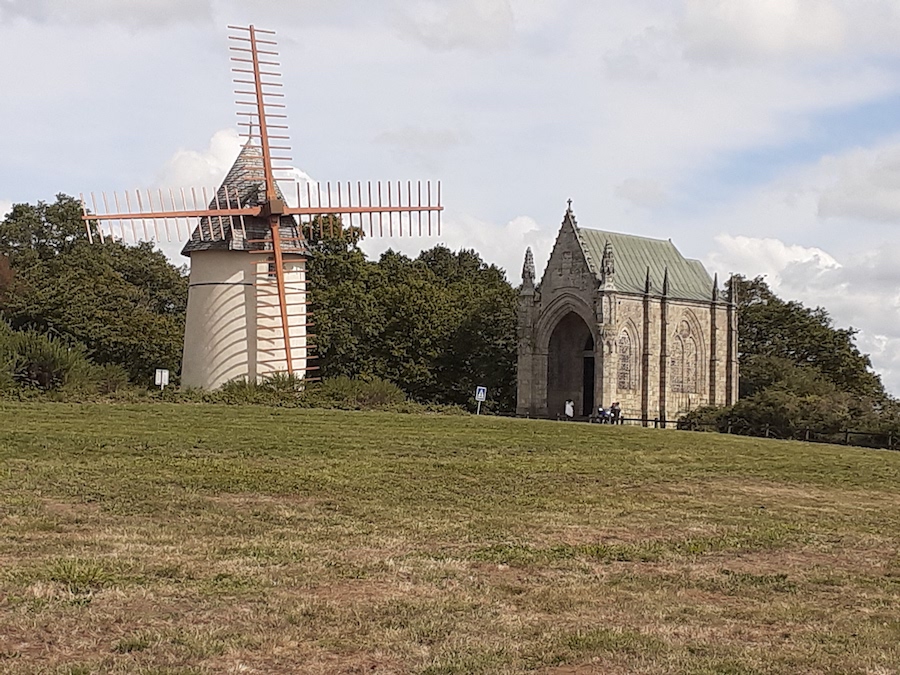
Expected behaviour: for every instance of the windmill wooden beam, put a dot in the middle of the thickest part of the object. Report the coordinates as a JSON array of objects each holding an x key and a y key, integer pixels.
[{"x": 248, "y": 213}]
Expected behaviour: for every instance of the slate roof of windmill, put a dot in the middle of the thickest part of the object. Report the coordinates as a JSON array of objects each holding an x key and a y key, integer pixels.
[
  {"x": 688, "y": 279},
  {"x": 228, "y": 233}
]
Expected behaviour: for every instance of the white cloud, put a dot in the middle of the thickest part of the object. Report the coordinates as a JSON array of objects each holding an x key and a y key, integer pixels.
[
  {"x": 134, "y": 13},
  {"x": 865, "y": 183},
  {"x": 5, "y": 207},
  {"x": 204, "y": 168},
  {"x": 483, "y": 25},
  {"x": 299, "y": 188},
  {"x": 770, "y": 257},
  {"x": 848, "y": 205},
  {"x": 740, "y": 31},
  {"x": 737, "y": 30},
  {"x": 861, "y": 290},
  {"x": 199, "y": 173},
  {"x": 645, "y": 193}
]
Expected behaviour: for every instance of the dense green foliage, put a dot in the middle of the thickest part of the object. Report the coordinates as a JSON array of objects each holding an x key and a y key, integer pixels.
[
  {"x": 124, "y": 304},
  {"x": 798, "y": 373},
  {"x": 438, "y": 325},
  {"x": 32, "y": 361},
  {"x": 776, "y": 338},
  {"x": 289, "y": 391}
]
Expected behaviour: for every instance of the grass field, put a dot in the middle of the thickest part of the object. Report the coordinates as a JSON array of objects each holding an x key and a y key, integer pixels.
[{"x": 201, "y": 539}]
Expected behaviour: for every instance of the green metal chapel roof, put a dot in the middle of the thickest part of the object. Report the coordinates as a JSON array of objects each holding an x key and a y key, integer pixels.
[{"x": 688, "y": 279}]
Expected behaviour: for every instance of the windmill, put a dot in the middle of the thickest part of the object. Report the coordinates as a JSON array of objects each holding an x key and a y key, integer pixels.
[{"x": 247, "y": 312}]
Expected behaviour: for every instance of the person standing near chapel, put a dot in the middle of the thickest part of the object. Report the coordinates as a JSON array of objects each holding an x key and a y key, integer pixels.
[{"x": 615, "y": 412}]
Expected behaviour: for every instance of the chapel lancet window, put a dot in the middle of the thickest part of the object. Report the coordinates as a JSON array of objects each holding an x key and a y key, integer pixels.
[
  {"x": 684, "y": 361},
  {"x": 676, "y": 366},
  {"x": 690, "y": 366},
  {"x": 626, "y": 372}
]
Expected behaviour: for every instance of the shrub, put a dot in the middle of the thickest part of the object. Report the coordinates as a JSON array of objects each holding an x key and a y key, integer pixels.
[
  {"x": 283, "y": 383},
  {"x": 239, "y": 390},
  {"x": 110, "y": 379},
  {"x": 349, "y": 394},
  {"x": 708, "y": 418},
  {"x": 43, "y": 362},
  {"x": 7, "y": 358},
  {"x": 32, "y": 363},
  {"x": 278, "y": 389}
]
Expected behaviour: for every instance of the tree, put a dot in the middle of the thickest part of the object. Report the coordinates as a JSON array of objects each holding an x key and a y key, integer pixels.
[
  {"x": 125, "y": 304},
  {"x": 798, "y": 373},
  {"x": 7, "y": 279},
  {"x": 482, "y": 348},
  {"x": 770, "y": 327},
  {"x": 437, "y": 325}
]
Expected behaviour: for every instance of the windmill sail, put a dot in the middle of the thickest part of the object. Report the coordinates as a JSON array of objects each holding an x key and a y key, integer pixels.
[{"x": 247, "y": 315}]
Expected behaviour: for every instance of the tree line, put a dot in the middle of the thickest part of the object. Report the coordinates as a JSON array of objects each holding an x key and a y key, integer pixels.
[
  {"x": 76, "y": 314},
  {"x": 799, "y": 375},
  {"x": 438, "y": 325}
]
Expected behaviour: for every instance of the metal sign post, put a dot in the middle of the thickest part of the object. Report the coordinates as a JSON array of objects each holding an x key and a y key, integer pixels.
[
  {"x": 480, "y": 396},
  {"x": 162, "y": 378}
]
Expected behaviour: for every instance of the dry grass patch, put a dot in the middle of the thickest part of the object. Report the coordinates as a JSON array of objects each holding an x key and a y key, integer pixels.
[{"x": 196, "y": 539}]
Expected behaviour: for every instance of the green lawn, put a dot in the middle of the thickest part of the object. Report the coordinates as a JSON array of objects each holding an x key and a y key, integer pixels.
[{"x": 205, "y": 539}]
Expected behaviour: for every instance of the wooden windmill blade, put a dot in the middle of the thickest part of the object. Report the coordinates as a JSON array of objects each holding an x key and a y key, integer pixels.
[{"x": 248, "y": 212}]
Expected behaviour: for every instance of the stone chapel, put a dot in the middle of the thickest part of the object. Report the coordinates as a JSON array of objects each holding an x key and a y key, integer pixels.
[{"x": 621, "y": 318}]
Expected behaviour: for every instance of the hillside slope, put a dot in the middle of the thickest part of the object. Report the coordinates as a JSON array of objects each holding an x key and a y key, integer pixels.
[{"x": 203, "y": 539}]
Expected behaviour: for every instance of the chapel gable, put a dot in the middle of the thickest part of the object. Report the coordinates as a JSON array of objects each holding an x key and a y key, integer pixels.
[{"x": 569, "y": 269}]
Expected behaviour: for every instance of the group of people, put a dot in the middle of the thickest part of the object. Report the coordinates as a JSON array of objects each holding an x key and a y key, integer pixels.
[{"x": 611, "y": 415}]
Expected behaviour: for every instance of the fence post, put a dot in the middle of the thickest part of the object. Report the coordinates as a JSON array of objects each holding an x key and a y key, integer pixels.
[
  {"x": 729, "y": 428},
  {"x": 847, "y": 437},
  {"x": 767, "y": 431},
  {"x": 807, "y": 434}
]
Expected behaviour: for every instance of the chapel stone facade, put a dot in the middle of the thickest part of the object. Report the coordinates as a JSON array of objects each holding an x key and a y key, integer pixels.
[{"x": 620, "y": 318}]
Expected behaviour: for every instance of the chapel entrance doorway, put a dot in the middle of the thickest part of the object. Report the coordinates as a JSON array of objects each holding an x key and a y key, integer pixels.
[
  {"x": 587, "y": 408},
  {"x": 570, "y": 366}
]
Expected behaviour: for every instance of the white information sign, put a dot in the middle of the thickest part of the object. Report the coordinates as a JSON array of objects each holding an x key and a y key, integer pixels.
[
  {"x": 162, "y": 377},
  {"x": 480, "y": 396}
]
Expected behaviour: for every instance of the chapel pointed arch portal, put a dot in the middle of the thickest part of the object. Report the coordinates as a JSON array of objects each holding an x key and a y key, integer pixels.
[{"x": 571, "y": 366}]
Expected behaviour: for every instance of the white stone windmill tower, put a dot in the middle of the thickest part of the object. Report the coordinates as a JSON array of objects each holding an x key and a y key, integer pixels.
[{"x": 247, "y": 314}]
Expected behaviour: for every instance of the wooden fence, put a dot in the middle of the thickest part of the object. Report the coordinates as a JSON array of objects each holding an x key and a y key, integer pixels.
[{"x": 850, "y": 437}]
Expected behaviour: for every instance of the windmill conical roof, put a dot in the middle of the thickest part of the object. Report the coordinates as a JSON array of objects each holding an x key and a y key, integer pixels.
[{"x": 244, "y": 183}]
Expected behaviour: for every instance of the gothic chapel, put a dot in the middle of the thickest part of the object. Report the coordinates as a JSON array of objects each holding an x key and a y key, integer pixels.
[{"x": 623, "y": 318}]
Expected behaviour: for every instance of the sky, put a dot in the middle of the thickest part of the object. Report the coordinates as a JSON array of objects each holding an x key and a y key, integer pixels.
[{"x": 761, "y": 136}]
